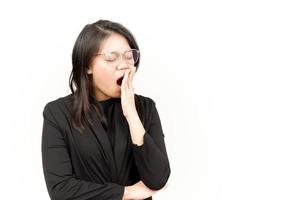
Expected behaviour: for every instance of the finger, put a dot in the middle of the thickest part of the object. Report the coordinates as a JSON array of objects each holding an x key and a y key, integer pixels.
[
  {"x": 125, "y": 80},
  {"x": 128, "y": 79},
  {"x": 132, "y": 72},
  {"x": 130, "y": 82}
]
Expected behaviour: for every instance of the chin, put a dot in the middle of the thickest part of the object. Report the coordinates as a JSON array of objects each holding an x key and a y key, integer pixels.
[{"x": 117, "y": 94}]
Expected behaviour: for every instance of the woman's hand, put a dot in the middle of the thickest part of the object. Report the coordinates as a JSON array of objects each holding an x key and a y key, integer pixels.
[
  {"x": 138, "y": 191},
  {"x": 127, "y": 93}
]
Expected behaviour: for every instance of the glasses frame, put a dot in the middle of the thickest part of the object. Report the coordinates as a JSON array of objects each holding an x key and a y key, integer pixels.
[{"x": 121, "y": 55}]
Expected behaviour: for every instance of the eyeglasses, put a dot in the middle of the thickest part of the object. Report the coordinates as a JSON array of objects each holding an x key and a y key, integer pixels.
[{"x": 113, "y": 58}]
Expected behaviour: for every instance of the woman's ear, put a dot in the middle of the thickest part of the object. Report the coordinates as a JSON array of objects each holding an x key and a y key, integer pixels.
[{"x": 89, "y": 70}]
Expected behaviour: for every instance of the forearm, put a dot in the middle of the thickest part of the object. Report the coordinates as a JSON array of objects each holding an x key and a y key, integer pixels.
[
  {"x": 149, "y": 152},
  {"x": 137, "y": 191},
  {"x": 127, "y": 193},
  {"x": 136, "y": 128}
]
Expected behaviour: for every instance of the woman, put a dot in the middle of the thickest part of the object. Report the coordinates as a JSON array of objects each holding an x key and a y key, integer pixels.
[{"x": 102, "y": 141}]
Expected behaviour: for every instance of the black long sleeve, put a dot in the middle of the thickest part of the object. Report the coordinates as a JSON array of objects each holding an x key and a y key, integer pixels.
[
  {"x": 60, "y": 180},
  {"x": 151, "y": 157},
  {"x": 98, "y": 164}
]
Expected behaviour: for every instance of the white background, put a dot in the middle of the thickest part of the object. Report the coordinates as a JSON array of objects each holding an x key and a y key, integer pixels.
[{"x": 224, "y": 76}]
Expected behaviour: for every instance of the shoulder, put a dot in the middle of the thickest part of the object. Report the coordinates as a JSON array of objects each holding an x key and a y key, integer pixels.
[
  {"x": 57, "y": 109},
  {"x": 150, "y": 115},
  {"x": 147, "y": 104},
  {"x": 145, "y": 101},
  {"x": 64, "y": 101}
]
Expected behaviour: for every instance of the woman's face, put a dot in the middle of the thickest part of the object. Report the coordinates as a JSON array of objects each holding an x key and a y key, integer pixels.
[{"x": 104, "y": 75}]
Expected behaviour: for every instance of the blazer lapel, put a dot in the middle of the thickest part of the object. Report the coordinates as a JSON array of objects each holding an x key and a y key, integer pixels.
[
  {"x": 122, "y": 137},
  {"x": 102, "y": 138}
]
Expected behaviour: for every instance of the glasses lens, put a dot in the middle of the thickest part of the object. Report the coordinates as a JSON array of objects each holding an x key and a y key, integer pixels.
[
  {"x": 112, "y": 57},
  {"x": 135, "y": 54},
  {"x": 132, "y": 56}
]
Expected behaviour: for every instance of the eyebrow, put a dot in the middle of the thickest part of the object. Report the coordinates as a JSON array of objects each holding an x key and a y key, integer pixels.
[{"x": 115, "y": 51}]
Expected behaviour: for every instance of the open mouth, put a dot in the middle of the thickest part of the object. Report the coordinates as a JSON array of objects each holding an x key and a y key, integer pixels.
[{"x": 119, "y": 81}]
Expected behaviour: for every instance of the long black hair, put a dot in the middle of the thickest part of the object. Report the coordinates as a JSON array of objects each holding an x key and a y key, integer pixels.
[{"x": 86, "y": 46}]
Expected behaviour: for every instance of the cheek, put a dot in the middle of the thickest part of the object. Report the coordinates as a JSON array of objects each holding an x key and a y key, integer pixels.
[{"x": 102, "y": 76}]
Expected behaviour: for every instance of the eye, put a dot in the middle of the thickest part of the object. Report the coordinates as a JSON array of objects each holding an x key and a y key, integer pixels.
[
  {"x": 129, "y": 55},
  {"x": 111, "y": 57}
]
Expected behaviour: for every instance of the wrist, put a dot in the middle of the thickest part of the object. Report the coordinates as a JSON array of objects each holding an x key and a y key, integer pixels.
[
  {"x": 132, "y": 116},
  {"x": 127, "y": 192}
]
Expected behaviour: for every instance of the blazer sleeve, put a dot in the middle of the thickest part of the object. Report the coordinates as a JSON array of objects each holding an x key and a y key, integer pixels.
[
  {"x": 60, "y": 180},
  {"x": 151, "y": 157}
]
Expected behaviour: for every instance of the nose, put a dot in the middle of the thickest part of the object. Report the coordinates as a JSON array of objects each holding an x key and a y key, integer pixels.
[{"x": 123, "y": 66}]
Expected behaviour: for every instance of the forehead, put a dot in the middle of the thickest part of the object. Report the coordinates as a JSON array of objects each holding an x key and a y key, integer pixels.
[{"x": 114, "y": 42}]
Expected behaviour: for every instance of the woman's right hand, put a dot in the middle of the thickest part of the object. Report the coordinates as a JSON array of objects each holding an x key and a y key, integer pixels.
[{"x": 138, "y": 191}]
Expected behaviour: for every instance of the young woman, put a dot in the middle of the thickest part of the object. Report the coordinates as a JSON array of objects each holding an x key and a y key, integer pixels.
[{"x": 103, "y": 141}]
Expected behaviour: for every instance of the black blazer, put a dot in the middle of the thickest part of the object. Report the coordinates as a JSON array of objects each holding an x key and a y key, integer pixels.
[{"x": 85, "y": 166}]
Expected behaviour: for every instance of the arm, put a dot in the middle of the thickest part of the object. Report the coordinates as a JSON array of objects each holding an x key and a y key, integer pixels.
[
  {"x": 137, "y": 191},
  {"x": 149, "y": 150},
  {"x": 60, "y": 180}
]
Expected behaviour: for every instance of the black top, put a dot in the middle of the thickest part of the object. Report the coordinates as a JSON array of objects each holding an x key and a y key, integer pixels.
[
  {"x": 97, "y": 165},
  {"x": 108, "y": 107}
]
